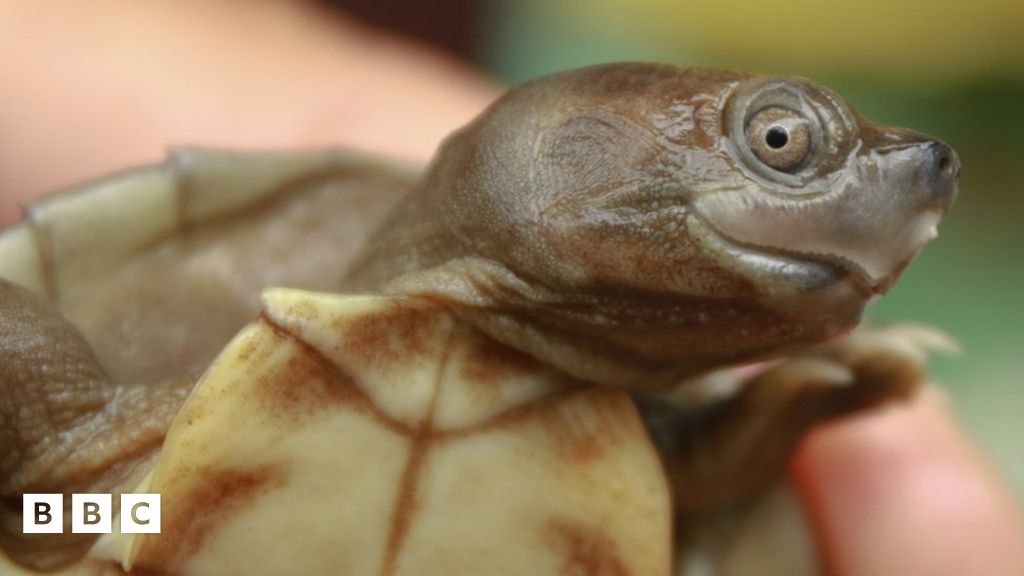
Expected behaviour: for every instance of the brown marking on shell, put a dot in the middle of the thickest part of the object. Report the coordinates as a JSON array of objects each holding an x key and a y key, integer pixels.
[
  {"x": 308, "y": 387},
  {"x": 303, "y": 309},
  {"x": 245, "y": 353},
  {"x": 585, "y": 550},
  {"x": 512, "y": 416},
  {"x": 334, "y": 384},
  {"x": 251, "y": 357},
  {"x": 487, "y": 362},
  {"x": 577, "y": 447},
  {"x": 574, "y": 440},
  {"x": 388, "y": 336},
  {"x": 406, "y": 503},
  {"x": 188, "y": 523},
  {"x": 578, "y": 440},
  {"x": 304, "y": 386},
  {"x": 310, "y": 379}
]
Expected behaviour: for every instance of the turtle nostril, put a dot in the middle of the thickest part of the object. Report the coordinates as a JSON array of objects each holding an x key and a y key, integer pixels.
[
  {"x": 945, "y": 166},
  {"x": 945, "y": 173}
]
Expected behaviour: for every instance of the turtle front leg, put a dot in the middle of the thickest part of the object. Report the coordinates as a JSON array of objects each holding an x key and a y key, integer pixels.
[
  {"x": 724, "y": 455},
  {"x": 64, "y": 425}
]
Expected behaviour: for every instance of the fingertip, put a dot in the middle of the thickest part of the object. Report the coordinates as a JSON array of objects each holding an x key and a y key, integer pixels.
[{"x": 904, "y": 491}]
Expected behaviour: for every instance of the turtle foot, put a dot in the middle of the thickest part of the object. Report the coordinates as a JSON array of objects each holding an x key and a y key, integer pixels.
[
  {"x": 722, "y": 455},
  {"x": 65, "y": 427}
]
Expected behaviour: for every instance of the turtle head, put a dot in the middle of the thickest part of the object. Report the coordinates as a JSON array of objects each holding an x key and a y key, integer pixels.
[{"x": 635, "y": 224}]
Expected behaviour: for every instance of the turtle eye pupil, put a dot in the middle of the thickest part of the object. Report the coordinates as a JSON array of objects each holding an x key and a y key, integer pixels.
[
  {"x": 776, "y": 137},
  {"x": 779, "y": 138}
]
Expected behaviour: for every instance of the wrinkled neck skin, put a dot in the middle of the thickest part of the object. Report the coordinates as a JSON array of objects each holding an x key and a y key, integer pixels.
[
  {"x": 609, "y": 222},
  {"x": 641, "y": 336}
]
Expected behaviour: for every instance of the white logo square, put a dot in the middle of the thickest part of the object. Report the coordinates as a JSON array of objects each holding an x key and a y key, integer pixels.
[
  {"x": 91, "y": 513},
  {"x": 140, "y": 513},
  {"x": 42, "y": 514}
]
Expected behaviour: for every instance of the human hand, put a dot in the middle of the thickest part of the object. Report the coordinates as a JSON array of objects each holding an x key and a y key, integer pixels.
[
  {"x": 90, "y": 88},
  {"x": 112, "y": 84},
  {"x": 904, "y": 491}
]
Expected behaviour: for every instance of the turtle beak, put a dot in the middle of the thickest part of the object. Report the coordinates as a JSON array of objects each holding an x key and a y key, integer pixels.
[
  {"x": 937, "y": 176},
  {"x": 930, "y": 188},
  {"x": 936, "y": 184}
]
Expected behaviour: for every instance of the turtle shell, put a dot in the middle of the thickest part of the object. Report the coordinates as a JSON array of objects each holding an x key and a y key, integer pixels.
[
  {"x": 386, "y": 437},
  {"x": 160, "y": 266},
  {"x": 380, "y": 435}
]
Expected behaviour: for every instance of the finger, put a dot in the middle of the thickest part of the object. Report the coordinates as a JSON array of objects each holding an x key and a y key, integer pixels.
[
  {"x": 111, "y": 85},
  {"x": 906, "y": 492}
]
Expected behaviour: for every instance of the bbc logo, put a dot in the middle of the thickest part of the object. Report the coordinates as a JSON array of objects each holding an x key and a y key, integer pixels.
[{"x": 90, "y": 513}]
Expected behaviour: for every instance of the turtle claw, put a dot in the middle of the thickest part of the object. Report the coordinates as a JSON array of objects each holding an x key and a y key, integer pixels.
[
  {"x": 727, "y": 454},
  {"x": 915, "y": 341},
  {"x": 808, "y": 373},
  {"x": 888, "y": 362}
]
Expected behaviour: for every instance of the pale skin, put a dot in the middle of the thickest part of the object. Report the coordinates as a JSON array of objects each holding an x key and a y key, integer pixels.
[{"x": 908, "y": 470}]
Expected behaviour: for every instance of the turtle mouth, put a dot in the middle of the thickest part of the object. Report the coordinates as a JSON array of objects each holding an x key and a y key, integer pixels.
[{"x": 806, "y": 269}]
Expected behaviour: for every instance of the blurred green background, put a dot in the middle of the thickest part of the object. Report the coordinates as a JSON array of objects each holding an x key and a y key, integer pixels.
[{"x": 954, "y": 70}]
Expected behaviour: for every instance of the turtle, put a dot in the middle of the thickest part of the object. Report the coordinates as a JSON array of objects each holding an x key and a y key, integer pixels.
[{"x": 584, "y": 339}]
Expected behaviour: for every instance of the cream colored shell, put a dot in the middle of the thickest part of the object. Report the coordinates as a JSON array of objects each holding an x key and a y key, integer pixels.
[
  {"x": 379, "y": 436},
  {"x": 338, "y": 434}
]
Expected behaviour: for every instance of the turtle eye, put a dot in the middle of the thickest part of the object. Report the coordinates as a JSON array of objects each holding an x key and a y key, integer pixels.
[{"x": 779, "y": 137}]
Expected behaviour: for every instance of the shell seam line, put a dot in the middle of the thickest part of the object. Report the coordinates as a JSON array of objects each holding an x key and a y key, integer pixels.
[{"x": 405, "y": 502}]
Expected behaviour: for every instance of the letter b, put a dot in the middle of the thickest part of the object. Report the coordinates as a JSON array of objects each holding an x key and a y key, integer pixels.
[
  {"x": 91, "y": 513},
  {"x": 42, "y": 514}
]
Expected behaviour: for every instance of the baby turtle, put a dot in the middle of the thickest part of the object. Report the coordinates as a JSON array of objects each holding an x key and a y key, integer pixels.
[{"x": 521, "y": 375}]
